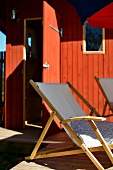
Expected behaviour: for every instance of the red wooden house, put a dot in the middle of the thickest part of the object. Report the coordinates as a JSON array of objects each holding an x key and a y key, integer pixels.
[{"x": 45, "y": 43}]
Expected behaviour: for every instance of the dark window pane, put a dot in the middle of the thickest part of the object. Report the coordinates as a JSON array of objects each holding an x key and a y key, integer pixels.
[{"x": 93, "y": 38}]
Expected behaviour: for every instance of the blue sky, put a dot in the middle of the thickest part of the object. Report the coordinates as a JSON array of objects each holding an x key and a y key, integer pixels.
[{"x": 2, "y": 42}]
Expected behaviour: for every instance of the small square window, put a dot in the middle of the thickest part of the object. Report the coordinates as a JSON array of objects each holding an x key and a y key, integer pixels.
[{"x": 93, "y": 40}]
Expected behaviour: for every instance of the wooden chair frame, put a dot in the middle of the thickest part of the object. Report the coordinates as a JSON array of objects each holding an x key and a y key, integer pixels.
[
  {"x": 92, "y": 109},
  {"x": 71, "y": 150},
  {"x": 107, "y": 102}
]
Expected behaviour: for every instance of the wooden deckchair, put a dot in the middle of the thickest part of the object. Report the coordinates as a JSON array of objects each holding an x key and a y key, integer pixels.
[
  {"x": 106, "y": 87},
  {"x": 81, "y": 128}
]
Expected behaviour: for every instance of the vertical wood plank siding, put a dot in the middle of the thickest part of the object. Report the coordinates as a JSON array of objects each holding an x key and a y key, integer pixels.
[
  {"x": 76, "y": 67},
  {"x": 15, "y": 60},
  {"x": 79, "y": 68}
]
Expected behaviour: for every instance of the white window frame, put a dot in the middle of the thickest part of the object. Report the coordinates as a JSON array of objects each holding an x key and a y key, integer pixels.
[{"x": 84, "y": 42}]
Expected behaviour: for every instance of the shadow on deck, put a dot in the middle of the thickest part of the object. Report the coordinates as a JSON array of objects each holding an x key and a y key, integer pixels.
[{"x": 23, "y": 142}]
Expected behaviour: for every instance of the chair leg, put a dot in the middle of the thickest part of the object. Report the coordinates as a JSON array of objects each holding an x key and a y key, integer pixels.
[
  {"x": 84, "y": 148},
  {"x": 102, "y": 141},
  {"x": 41, "y": 137}
]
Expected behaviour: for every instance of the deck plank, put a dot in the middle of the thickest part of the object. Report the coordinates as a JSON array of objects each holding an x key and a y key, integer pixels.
[
  {"x": 72, "y": 162},
  {"x": 26, "y": 135},
  {"x": 111, "y": 168},
  {"x": 21, "y": 141},
  {"x": 28, "y": 166}
]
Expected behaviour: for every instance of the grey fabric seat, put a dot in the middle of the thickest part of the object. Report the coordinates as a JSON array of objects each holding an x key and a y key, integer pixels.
[{"x": 106, "y": 87}]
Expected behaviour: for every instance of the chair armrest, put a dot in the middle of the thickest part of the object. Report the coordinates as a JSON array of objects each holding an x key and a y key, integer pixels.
[{"x": 84, "y": 118}]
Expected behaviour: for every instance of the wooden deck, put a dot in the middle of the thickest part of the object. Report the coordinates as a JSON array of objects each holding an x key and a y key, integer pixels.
[
  {"x": 22, "y": 141},
  {"x": 30, "y": 136}
]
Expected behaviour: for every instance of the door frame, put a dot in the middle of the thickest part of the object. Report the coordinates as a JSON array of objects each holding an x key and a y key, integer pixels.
[{"x": 24, "y": 67}]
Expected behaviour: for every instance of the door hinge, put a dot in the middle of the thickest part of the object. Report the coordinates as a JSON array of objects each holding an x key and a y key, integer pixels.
[{"x": 59, "y": 31}]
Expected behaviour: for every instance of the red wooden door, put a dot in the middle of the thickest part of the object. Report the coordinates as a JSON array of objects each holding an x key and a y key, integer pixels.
[
  {"x": 51, "y": 45},
  {"x": 51, "y": 56}
]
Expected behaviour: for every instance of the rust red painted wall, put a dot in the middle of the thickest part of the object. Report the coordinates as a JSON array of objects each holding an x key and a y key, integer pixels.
[
  {"x": 76, "y": 67},
  {"x": 15, "y": 60},
  {"x": 13, "y": 87},
  {"x": 79, "y": 68}
]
